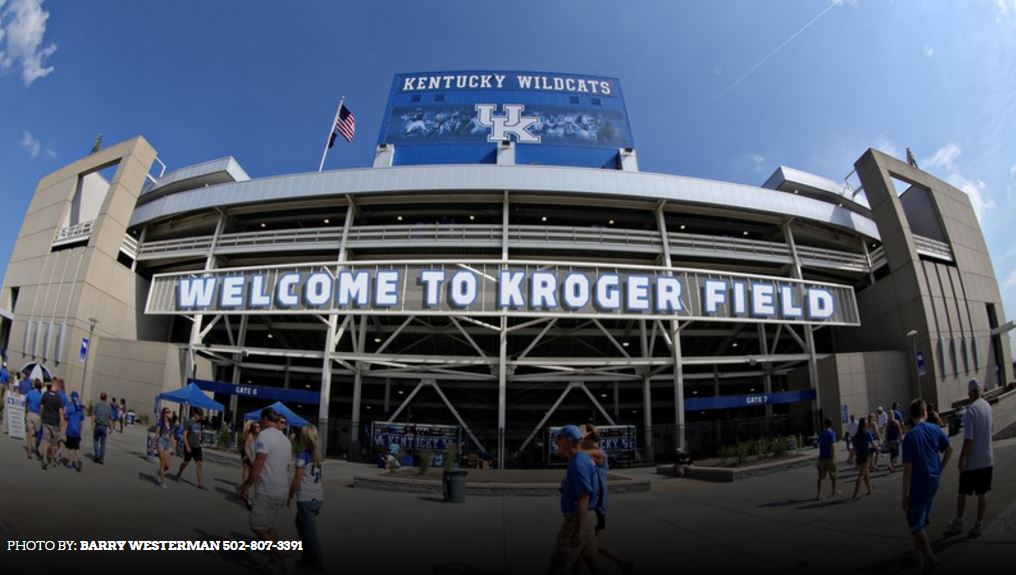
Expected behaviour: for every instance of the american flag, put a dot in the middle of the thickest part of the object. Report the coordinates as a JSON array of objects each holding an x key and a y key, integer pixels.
[{"x": 345, "y": 125}]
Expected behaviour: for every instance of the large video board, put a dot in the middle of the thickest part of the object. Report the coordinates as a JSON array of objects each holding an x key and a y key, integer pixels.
[{"x": 460, "y": 117}]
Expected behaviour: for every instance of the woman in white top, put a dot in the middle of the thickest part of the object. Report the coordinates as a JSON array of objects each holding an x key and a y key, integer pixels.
[{"x": 310, "y": 497}]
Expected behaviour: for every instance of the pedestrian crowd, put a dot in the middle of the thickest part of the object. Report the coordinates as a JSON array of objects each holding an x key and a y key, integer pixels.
[{"x": 923, "y": 448}]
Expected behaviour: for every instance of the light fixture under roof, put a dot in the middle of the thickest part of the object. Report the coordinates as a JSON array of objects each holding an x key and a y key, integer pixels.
[
  {"x": 683, "y": 226},
  {"x": 611, "y": 222},
  {"x": 471, "y": 217},
  {"x": 327, "y": 221},
  {"x": 744, "y": 233},
  {"x": 399, "y": 218},
  {"x": 271, "y": 336},
  {"x": 264, "y": 225},
  {"x": 734, "y": 344},
  {"x": 543, "y": 219},
  {"x": 377, "y": 340},
  {"x": 402, "y": 392},
  {"x": 307, "y": 386},
  {"x": 624, "y": 344},
  {"x": 603, "y": 395}
]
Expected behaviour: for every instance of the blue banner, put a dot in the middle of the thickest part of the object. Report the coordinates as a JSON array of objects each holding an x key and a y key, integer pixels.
[
  {"x": 259, "y": 392},
  {"x": 752, "y": 400},
  {"x": 414, "y": 435}
]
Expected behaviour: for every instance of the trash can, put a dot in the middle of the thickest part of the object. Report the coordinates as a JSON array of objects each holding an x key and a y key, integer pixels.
[
  {"x": 956, "y": 421},
  {"x": 453, "y": 483},
  {"x": 131, "y": 416}
]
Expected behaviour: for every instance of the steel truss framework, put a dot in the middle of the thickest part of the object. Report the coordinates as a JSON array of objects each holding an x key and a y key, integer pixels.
[{"x": 657, "y": 368}]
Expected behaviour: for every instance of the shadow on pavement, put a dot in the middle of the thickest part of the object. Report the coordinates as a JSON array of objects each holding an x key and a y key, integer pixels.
[
  {"x": 827, "y": 502},
  {"x": 432, "y": 499},
  {"x": 231, "y": 496},
  {"x": 460, "y": 569},
  {"x": 906, "y": 561},
  {"x": 786, "y": 502}
]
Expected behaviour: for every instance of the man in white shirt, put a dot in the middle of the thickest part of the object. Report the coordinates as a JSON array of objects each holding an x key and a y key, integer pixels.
[
  {"x": 270, "y": 474},
  {"x": 976, "y": 459},
  {"x": 881, "y": 419}
]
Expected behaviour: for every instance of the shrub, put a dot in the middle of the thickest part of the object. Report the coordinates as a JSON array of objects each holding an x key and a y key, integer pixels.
[
  {"x": 224, "y": 439},
  {"x": 742, "y": 450},
  {"x": 780, "y": 446},
  {"x": 143, "y": 419},
  {"x": 451, "y": 456},
  {"x": 727, "y": 452},
  {"x": 762, "y": 447}
]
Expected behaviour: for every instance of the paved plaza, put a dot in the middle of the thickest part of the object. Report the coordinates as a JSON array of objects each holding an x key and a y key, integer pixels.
[{"x": 765, "y": 524}]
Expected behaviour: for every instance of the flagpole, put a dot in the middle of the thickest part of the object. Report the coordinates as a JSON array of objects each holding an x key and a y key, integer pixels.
[{"x": 331, "y": 130}]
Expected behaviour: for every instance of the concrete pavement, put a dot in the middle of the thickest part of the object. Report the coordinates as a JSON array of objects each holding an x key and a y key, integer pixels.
[{"x": 765, "y": 524}]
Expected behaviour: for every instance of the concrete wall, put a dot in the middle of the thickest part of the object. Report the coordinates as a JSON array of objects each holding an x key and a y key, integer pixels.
[
  {"x": 137, "y": 371},
  {"x": 945, "y": 303},
  {"x": 61, "y": 290},
  {"x": 862, "y": 382}
]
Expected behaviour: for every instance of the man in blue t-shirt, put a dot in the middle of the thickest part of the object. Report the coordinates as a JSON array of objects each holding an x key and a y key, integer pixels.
[
  {"x": 922, "y": 469},
  {"x": 74, "y": 415},
  {"x": 826, "y": 458},
  {"x": 33, "y": 424},
  {"x": 579, "y": 494},
  {"x": 25, "y": 386}
]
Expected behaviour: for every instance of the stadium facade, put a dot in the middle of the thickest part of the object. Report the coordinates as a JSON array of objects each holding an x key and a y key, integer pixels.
[{"x": 504, "y": 266}]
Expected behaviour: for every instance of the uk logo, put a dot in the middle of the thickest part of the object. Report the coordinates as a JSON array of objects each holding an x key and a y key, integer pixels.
[{"x": 513, "y": 122}]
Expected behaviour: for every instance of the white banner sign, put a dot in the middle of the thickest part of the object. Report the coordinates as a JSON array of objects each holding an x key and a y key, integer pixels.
[{"x": 14, "y": 415}]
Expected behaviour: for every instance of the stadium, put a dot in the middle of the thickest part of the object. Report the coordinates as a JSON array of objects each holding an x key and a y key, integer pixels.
[{"x": 504, "y": 267}]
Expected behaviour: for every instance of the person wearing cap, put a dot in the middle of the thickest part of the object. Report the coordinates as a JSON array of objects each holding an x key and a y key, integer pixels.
[
  {"x": 922, "y": 471},
  {"x": 976, "y": 461},
  {"x": 74, "y": 415},
  {"x": 270, "y": 475},
  {"x": 579, "y": 495}
]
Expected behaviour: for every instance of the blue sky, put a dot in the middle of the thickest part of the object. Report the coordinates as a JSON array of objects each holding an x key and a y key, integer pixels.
[{"x": 725, "y": 90}]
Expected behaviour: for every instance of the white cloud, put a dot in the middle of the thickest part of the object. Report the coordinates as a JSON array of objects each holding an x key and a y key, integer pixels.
[
  {"x": 1006, "y": 9},
  {"x": 757, "y": 160},
  {"x": 23, "y": 24},
  {"x": 929, "y": 51},
  {"x": 884, "y": 144},
  {"x": 1010, "y": 280},
  {"x": 29, "y": 143},
  {"x": 945, "y": 158}
]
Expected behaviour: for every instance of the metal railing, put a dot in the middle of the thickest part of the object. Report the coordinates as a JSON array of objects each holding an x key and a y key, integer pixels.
[
  {"x": 74, "y": 233},
  {"x": 129, "y": 246},
  {"x": 519, "y": 236},
  {"x": 933, "y": 248}
]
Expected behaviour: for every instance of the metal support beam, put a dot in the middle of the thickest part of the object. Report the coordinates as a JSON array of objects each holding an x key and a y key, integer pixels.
[
  {"x": 678, "y": 385},
  {"x": 546, "y": 416},
  {"x": 502, "y": 387},
  {"x": 767, "y": 380},
  {"x": 357, "y": 387},
  {"x": 596, "y": 403},
  {"x": 647, "y": 400},
  {"x": 537, "y": 339},
  {"x": 809, "y": 334},
  {"x": 458, "y": 417}
]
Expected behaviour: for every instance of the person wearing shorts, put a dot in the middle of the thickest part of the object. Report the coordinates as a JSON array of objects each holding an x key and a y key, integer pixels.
[
  {"x": 591, "y": 445},
  {"x": 270, "y": 475},
  {"x": 33, "y": 403},
  {"x": 51, "y": 413},
  {"x": 192, "y": 446},
  {"x": 976, "y": 460},
  {"x": 893, "y": 435},
  {"x": 922, "y": 470},
  {"x": 576, "y": 539},
  {"x": 74, "y": 415},
  {"x": 826, "y": 458}
]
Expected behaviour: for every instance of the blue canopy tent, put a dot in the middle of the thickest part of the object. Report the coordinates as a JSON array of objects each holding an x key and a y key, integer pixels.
[
  {"x": 190, "y": 395},
  {"x": 292, "y": 419}
]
